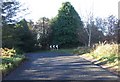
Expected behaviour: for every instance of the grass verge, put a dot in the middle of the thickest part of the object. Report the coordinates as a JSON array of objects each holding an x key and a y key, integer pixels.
[
  {"x": 66, "y": 51},
  {"x": 103, "y": 54},
  {"x": 10, "y": 60}
]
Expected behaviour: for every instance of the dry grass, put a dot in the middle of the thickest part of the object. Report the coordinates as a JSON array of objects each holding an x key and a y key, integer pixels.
[
  {"x": 105, "y": 50},
  {"x": 7, "y": 53},
  {"x": 105, "y": 54},
  {"x": 10, "y": 59}
]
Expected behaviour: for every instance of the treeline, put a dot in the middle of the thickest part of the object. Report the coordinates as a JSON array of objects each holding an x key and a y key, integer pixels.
[
  {"x": 67, "y": 29},
  {"x": 16, "y": 31},
  {"x": 19, "y": 36}
]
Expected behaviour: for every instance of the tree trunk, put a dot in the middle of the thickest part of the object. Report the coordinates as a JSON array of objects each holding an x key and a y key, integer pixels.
[{"x": 89, "y": 41}]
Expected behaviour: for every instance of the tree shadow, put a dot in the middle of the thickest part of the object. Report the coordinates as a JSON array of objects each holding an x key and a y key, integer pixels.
[
  {"x": 56, "y": 66},
  {"x": 97, "y": 62}
]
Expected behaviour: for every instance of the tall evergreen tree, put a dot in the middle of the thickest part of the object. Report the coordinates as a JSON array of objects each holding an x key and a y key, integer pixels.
[
  {"x": 27, "y": 39},
  {"x": 65, "y": 25}
]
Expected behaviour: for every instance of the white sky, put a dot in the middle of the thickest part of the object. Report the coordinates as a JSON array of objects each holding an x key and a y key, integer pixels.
[{"x": 49, "y": 8}]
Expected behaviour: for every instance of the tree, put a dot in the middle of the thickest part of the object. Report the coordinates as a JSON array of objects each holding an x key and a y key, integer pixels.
[
  {"x": 118, "y": 32},
  {"x": 88, "y": 27},
  {"x": 101, "y": 23},
  {"x": 16, "y": 34},
  {"x": 19, "y": 36},
  {"x": 10, "y": 10},
  {"x": 111, "y": 21},
  {"x": 43, "y": 30},
  {"x": 8, "y": 36},
  {"x": 82, "y": 36},
  {"x": 108, "y": 26},
  {"x": 96, "y": 33},
  {"x": 65, "y": 25},
  {"x": 94, "y": 27},
  {"x": 27, "y": 38}
]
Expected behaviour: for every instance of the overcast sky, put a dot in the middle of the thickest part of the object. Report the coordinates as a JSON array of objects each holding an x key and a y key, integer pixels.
[{"x": 49, "y": 8}]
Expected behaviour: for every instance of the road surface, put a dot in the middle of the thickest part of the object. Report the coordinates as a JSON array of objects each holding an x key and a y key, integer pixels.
[{"x": 58, "y": 66}]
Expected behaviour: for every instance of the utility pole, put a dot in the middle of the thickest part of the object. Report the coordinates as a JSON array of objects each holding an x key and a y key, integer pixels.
[
  {"x": 119, "y": 10},
  {"x": 1, "y": 23},
  {"x": 1, "y": 35}
]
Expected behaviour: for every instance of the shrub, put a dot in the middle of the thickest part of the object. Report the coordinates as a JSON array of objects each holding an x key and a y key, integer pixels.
[
  {"x": 81, "y": 50},
  {"x": 7, "y": 52},
  {"x": 10, "y": 59}
]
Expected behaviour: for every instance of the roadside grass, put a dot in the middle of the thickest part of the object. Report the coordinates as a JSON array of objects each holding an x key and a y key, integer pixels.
[
  {"x": 81, "y": 50},
  {"x": 67, "y": 51},
  {"x": 10, "y": 60},
  {"x": 104, "y": 54}
]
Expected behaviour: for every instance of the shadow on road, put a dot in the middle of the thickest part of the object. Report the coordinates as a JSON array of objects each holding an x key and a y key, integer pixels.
[{"x": 56, "y": 66}]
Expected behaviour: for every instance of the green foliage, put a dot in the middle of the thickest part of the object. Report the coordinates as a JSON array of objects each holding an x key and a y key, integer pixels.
[
  {"x": 68, "y": 51},
  {"x": 64, "y": 26},
  {"x": 10, "y": 59},
  {"x": 26, "y": 36},
  {"x": 14, "y": 34},
  {"x": 43, "y": 31},
  {"x": 19, "y": 36},
  {"x": 9, "y": 63},
  {"x": 81, "y": 50},
  {"x": 8, "y": 36}
]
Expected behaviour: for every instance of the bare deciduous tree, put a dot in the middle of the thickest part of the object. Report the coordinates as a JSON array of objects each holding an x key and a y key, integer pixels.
[{"x": 88, "y": 25}]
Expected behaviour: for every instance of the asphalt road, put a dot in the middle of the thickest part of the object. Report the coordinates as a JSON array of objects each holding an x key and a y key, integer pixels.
[{"x": 56, "y": 66}]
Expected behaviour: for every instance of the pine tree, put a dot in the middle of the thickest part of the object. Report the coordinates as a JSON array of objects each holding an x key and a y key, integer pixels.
[
  {"x": 65, "y": 25},
  {"x": 27, "y": 39}
]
